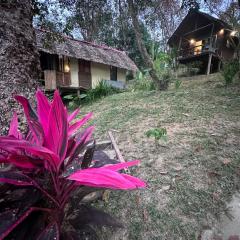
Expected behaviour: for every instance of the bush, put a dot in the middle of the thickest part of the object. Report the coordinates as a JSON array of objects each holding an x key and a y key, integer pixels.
[
  {"x": 46, "y": 167},
  {"x": 158, "y": 134},
  {"x": 101, "y": 90},
  {"x": 164, "y": 79},
  {"x": 162, "y": 65},
  {"x": 73, "y": 100},
  {"x": 178, "y": 83},
  {"x": 194, "y": 68},
  {"x": 230, "y": 69},
  {"x": 143, "y": 82}
]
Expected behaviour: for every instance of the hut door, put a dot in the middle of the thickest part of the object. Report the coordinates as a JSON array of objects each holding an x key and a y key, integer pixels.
[{"x": 84, "y": 74}]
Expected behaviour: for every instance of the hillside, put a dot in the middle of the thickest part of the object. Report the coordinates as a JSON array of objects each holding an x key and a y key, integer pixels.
[{"x": 192, "y": 175}]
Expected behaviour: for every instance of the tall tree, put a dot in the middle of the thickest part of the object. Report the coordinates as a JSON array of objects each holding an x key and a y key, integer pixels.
[
  {"x": 191, "y": 4},
  {"x": 128, "y": 43},
  {"x": 133, "y": 12},
  {"x": 163, "y": 18},
  {"x": 92, "y": 17},
  {"x": 19, "y": 61}
]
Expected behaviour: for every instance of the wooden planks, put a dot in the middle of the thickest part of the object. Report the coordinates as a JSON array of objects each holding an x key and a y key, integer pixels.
[{"x": 50, "y": 79}]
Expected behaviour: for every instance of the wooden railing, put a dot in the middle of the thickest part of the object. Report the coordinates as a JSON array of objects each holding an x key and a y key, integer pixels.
[
  {"x": 194, "y": 51},
  {"x": 54, "y": 79},
  {"x": 63, "y": 79}
]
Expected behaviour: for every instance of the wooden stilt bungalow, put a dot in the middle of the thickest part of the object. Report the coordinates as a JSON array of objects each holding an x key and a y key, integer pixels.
[{"x": 203, "y": 38}]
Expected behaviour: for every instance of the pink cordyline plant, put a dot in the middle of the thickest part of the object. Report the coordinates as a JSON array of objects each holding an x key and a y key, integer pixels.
[{"x": 39, "y": 182}]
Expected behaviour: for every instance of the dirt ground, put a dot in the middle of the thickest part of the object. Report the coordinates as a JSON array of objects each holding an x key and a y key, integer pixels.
[{"x": 192, "y": 175}]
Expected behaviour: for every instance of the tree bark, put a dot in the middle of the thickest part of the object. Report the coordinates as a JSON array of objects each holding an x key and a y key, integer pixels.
[
  {"x": 19, "y": 58},
  {"x": 141, "y": 46}
]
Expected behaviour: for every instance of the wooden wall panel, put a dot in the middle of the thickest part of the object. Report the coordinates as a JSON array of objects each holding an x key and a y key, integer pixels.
[{"x": 50, "y": 79}]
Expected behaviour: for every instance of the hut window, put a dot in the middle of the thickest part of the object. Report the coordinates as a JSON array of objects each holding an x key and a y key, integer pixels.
[
  {"x": 113, "y": 73},
  {"x": 47, "y": 61}
]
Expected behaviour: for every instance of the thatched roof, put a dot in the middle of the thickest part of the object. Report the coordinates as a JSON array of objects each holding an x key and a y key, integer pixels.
[
  {"x": 196, "y": 19},
  {"x": 47, "y": 42}
]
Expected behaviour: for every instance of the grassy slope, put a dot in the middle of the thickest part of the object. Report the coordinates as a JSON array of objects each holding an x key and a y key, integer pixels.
[{"x": 190, "y": 177}]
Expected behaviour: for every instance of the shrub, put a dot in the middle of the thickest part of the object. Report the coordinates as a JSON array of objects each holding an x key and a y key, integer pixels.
[
  {"x": 101, "y": 90},
  {"x": 178, "y": 83},
  {"x": 46, "y": 166},
  {"x": 164, "y": 79},
  {"x": 162, "y": 65},
  {"x": 73, "y": 100},
  {"x": 194, "y": 68},
  {"x": 230, "y": 69},
  {"x": 143, "y": 82},
  {"x": 158, "y": 134}
]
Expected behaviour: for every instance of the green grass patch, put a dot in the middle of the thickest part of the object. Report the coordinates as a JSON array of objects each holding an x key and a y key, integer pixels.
[{"x": 190, "y": 178}]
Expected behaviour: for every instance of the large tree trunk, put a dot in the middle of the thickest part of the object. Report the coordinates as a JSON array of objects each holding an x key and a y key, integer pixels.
[
  {"x": 141, "y": 46},
  {"x": 19, "y": 59}
]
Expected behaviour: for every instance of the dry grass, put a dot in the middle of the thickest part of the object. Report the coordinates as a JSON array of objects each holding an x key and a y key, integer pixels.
[{"x": 191, "y": 178}]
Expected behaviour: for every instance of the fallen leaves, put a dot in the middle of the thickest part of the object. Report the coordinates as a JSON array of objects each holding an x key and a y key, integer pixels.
[
  {"x": 226, "y": 161},
  {"x": 163, "y": 172}
]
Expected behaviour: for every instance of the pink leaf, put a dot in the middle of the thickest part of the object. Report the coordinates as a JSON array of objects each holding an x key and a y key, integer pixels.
[
  {"x": 138, "y": 182},
  {"x": 13, "y": 130},
  {"x": 32, "y": 119},
  {"x": 102, "y": 177},
  {"x": 73, "y": 115},
  {"x": 56, "y": 137},
  {"x": 80, "y": 143},
  {"x": 15, "y": 178},
  {"x": 71, "y": 146},
  {"x": 119, "y": 166},
  {"x": 36, "y": 134},
  {"x": 75, "y": 126},
  {"x": 29, "y": 113},
  {"x": 22, "y": 161},
  {"x": 43, "y": 109},
  {"x": 12, "y": 145}
]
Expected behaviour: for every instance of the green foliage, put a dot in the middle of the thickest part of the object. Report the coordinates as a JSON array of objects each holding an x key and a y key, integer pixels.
[
  {"x": 162, "y": 63},
  {"x": 143, "y": 82},
  {"x": 101, "y": 90},
  {"x": 161, "y": 60},
  {"x": 194, "y": 68},
  {"x": 93, "y": 19},
  {"x": 165, "y": 78},
  {"x": 230, "y": 69},
  {"x": 158, "y": 134},
  {"x": 178, "y": 84},
  {"x": 128, "y": 42},
  {"x": 74, "y": 100}
]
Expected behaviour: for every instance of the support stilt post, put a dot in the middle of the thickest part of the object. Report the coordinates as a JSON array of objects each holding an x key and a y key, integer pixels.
[
  {"x": 219, "y": 65},
  {"x": 209, "y": 63}
]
